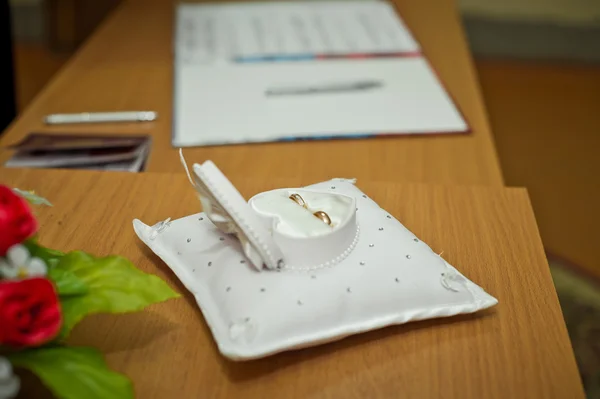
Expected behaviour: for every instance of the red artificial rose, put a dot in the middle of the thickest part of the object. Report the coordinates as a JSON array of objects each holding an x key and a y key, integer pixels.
[
  {"x": 29, "y": 312},
  {"x": 16, "y": 221}
]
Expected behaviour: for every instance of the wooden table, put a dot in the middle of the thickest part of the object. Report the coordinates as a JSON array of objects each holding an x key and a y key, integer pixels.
[
  {"x": 127, "y": 64},
  {"x": 562, "y": 177},
  {"x": 518, "y": 349}
]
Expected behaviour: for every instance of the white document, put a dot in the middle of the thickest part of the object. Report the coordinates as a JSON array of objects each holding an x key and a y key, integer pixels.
[
  {"x": 259, "y": 72},
  {"x": 209, "y": 33}
]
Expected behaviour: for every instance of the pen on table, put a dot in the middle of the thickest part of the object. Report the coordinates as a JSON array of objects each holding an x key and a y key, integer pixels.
[
  {"x": 359, "y": 85},
  {"x": 101, "y": 117}
]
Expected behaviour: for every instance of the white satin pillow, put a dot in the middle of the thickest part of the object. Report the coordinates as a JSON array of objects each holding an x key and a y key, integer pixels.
[{"x": 388, "y": 276}]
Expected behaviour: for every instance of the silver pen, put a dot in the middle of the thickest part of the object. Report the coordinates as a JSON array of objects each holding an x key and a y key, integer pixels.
[
  {"x": 339, "y": 87},
  {"x": 101, "y": 117}
]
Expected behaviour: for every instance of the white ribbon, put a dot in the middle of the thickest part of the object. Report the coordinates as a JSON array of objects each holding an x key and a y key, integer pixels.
[{"x": 187, "y": 170}]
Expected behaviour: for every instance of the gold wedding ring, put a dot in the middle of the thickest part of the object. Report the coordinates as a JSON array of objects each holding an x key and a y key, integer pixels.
[
  {"x": 297, "y": 198},
  {"x": 323, "y": 216}
]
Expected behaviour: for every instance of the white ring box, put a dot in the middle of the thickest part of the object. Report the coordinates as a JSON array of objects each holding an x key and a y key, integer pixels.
[{"x": 269, "y": 276}]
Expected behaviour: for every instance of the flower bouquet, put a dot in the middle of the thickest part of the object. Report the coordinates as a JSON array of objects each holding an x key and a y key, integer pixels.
[{"x": 44, "y": 293}]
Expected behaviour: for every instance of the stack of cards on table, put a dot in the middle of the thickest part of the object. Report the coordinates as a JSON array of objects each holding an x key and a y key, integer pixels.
[{"x": 99, "y": 152}]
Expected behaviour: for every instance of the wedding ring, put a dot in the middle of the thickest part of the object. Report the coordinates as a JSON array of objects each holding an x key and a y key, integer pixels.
[
  {"x": 323, "y": 216},
  {"x": 297, "y": 198}
]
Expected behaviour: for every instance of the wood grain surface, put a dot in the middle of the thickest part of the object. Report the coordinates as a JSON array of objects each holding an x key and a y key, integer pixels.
[
  {"x": 127, "y": 65},
  {"x": 34, "y": 65},
  {"x": 518, "y": 349},
  {"x": 547, "y": 136}
]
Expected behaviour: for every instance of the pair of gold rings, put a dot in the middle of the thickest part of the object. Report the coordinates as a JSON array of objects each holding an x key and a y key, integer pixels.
[{"x": 323, "y": 216}]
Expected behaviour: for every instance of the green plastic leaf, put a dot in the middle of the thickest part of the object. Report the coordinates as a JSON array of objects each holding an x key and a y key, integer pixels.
[
  {"x": 32, "y": 197},
  {"x": 114, "y": 286},
  {"x": 74, "y": 372},
  {"x": 50, "y": 256},
  {"x": 67, "y": 283}
]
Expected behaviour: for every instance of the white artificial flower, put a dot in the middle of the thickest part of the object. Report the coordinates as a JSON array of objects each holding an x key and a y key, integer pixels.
[
  {"x": 9, "y": 383},
  {"x": 19, "y": 264},
  {"x": 32, "y": 197}
]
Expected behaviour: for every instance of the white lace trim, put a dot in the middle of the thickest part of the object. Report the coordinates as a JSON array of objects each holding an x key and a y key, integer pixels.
[{"x": 329, "y": 263}]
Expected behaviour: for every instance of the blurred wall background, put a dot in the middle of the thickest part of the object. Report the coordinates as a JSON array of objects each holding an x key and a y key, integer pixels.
[{"x": 534, "y": 29}]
